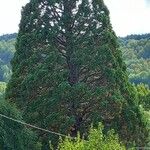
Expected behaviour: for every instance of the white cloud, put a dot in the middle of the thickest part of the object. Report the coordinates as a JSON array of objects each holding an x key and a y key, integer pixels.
[
  {"x": 129, "y": 16},
  {"x": 10, "y": 15}
]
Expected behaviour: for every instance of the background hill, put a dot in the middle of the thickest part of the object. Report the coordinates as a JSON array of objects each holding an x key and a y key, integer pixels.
[
  {"x": 7, "y": 50},
  {"x": 136, "y": 54}
]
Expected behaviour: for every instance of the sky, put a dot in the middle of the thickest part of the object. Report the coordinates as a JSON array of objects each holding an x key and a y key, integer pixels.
[{"x": 127, "y": 16}]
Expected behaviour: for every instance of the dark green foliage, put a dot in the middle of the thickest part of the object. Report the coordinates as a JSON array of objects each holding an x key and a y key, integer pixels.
[
  {"x": 144, "y": 102},
  {"x": 68, "y": 71},
  {"x": 144, "y": 96},
  {"x": 14, "y": 136}
]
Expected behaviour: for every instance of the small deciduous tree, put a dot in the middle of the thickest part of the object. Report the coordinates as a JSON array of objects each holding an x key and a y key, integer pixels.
[
  {"x": 96, "y": 141},
  {"x": 144, "y": 95}
]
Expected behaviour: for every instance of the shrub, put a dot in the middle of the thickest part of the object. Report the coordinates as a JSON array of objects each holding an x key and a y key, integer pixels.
[{"x": 95, "y": 141}]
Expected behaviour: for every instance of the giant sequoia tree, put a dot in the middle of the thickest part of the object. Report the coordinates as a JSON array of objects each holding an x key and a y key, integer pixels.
[{"x": 69, "y": 73}]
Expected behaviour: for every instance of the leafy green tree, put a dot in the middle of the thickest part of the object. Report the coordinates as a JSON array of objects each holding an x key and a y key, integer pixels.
[
  {"x": 68, "y": 71},
  {"x": 14, "y": 136},
  {"x": 2, "y": 89},
  {"x": 96, "y": 141},
  {"x": 144, "y": 96}
]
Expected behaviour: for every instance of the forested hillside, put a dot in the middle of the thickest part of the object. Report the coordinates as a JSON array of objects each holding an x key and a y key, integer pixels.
[
  {"x": 136, "y": 54},
  {"x": 7, "y": 50}
]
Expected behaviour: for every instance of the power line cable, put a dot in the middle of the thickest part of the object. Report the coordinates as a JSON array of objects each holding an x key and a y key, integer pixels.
[{"x": 35, "y": 127}]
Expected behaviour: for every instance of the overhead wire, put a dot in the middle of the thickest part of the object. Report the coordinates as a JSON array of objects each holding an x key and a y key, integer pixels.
[{"x": 35, "y": 127}]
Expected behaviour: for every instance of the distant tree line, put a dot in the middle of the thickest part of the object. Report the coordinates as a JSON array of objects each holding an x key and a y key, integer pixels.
[
  {"x": 136, "y": 36},
  {"x": 7, "y": 37}
]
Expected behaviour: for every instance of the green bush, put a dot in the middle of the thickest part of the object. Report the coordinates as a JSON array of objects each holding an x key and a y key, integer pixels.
[
  {"x": 2, "y": 88},
  {"x": 96, "y": 141}
]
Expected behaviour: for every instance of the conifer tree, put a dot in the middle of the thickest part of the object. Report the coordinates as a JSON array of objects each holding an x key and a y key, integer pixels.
[{"x": 68, "y": 71}]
